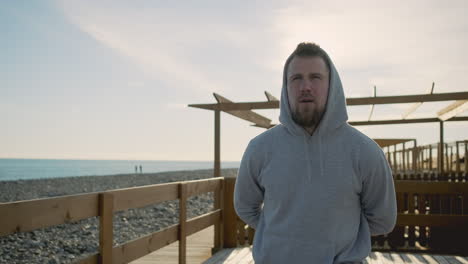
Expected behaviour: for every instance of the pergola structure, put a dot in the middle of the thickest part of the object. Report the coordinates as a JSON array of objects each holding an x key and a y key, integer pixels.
[{"x": 244, "y": 111}]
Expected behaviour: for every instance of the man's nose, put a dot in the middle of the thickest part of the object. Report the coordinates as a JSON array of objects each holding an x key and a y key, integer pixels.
[{"x": 306, "y": 86}]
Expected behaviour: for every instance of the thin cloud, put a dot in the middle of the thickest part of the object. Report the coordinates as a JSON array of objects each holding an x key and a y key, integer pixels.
[{"x": 160, "y": 49}]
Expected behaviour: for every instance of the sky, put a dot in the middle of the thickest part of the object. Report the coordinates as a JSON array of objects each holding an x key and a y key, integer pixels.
[{"x": 112, "y": 79}]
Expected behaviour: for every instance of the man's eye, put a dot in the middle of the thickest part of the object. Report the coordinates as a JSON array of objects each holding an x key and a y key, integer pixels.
[{"x": 296, "y": 78}]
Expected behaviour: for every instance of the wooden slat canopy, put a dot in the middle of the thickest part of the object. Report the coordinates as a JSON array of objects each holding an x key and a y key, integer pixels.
[
  {"x": 248, "y": 115},
  {"x": 452, "y": 110},
  {"x": 244, "y": 111},
  {"x": 385, "y": 142}
]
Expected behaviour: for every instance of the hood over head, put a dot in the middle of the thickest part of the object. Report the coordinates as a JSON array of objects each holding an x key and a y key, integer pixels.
[{"x": 335, "y": 110}]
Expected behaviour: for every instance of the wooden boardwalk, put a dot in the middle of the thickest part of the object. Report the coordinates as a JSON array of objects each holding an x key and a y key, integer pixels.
[
  {"x": 244, "y": 256},
  {"x": 199, "y": 251}
]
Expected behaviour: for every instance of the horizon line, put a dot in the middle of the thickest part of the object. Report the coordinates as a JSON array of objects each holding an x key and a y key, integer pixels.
[{"x": 88, "y": 159}]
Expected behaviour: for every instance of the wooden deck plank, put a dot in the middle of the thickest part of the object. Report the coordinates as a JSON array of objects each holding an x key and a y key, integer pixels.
[
  {"x": 198, "y": 250},
  {"x": 241, "y": 255},
  {"x": 233, "y": 255},
  {"x": 384, "y": 257},
  {"x": 462, "y": 259},
  {"x": 413, "y": 259},
  {"x": 405, "y": 258},
  {"x": 440, "y": 259},
  {"x": 396, "y": 258},
  {"x": 429, "y": 259},
  {"x": 451, "y": 260}
]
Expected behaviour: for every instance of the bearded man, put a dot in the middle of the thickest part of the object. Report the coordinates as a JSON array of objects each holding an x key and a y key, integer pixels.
[{"x": 314, "y": 188}]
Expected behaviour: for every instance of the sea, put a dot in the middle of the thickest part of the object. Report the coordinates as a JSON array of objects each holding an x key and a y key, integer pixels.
[{"x": 25, "y": 169}]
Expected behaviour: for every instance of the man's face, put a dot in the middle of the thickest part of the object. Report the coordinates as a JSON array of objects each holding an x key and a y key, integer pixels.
[{"x": 308, "y": 81}]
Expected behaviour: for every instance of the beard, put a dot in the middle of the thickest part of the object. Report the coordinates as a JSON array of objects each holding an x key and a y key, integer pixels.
[{"x": 307, "y": 117}]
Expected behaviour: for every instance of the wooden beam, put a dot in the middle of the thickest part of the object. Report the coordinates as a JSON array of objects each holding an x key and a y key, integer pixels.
[
  {"x": 392, "y": 122},
  {"x": 238, "y": 106},
  {"x": 182, "y": 234},
  {"x": 203, "y": 221},
  {"x": 372, "y": 106},
  {"x": 22, "y": 216},
  {"x": 417, "y": 105},
  {"x": 217, "y": 144},
  {"x": 385, "y": 142},
  {"x": 229, "y": 214},
  {"x": 453, "y": 110},
  {"x": 270, "y": 97},
  {"x": 440, "y": 156},
  {"x": 244, "y": 114},
  {"x": 404, "y": 121},
  {"x": 106, "y": 227},
  {"x": 424, "y": 187},
  {"x": 202, "y": 186},
  {"x": 411, "y": 110},
  {"x": 431, "y": 220},
  {"x": 142, "y": 246},
  {"x": 399, "y": 99},
  {"x": 141, "y": 196}
]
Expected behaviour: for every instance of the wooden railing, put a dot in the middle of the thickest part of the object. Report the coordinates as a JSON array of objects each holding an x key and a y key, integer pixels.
[
  {"x": 432, "y": 214},
  {"x": 432, "y": 217},
  {"x": 25, "y": 216},
  {"x": 426, "y": 158}
]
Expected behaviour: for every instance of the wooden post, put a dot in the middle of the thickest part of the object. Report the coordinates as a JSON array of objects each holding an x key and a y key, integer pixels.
[
  {"x": 404, "y": 158},
  {"x": 230, "y": 216},
  {"x": 457, "y": 156},
  {"x": 447, "y": 161},
  {"x": 395, "y": 165},
  {"x": 466, "y": 158},
  {"x": 182, "y": 222},
  {"x": 389, "y": 157},
  {"x": 451, "y": 159},
  {"x": 106, "y": 236},
  {"x": 430, "y": 157},
  {"x": 217, "y": 145},
  {"x": 440, "y": 157},
  {"x": 218, "y": 227},
  {"x": 423, "y": 154}
]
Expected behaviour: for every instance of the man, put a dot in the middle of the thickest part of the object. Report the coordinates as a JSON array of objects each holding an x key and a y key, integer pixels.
[{"x": 314, "y": 188}]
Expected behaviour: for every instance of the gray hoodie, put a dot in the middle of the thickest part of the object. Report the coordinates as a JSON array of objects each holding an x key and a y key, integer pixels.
[{"x": 315, "y": 198}]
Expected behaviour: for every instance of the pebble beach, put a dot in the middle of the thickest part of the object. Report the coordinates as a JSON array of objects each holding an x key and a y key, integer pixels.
[{"x": 67, "y": 243}]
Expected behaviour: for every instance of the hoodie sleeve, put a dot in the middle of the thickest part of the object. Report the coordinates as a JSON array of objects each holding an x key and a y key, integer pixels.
[
  {"x": 248, "y": 194},
  {"x": 378, "y": 200}
]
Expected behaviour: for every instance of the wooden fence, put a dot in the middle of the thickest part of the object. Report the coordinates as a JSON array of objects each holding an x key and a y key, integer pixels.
[
  {"x": 432, "y": 217},
  {"x": 25, "y": 216}
]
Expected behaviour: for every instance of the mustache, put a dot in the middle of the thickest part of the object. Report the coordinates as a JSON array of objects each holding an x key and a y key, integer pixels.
[{"x": 306, "y": 97}]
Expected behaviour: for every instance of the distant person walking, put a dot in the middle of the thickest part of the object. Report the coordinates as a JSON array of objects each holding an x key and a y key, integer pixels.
[
  {"x": 141, "y": 170},
  {"x": 136, "y": 169},
  {"x": 314, "y": 188}
]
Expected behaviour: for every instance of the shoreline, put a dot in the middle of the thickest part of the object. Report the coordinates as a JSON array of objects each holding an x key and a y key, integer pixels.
[{"x": 19, "y": 190}]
